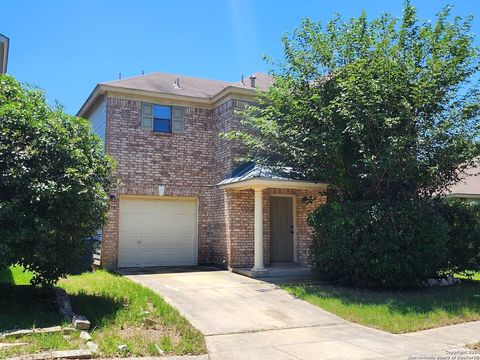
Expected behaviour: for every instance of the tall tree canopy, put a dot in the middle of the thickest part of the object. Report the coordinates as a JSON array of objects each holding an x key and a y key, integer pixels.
[
  {"x": 380, "y": 109},
  {"x": 54, "y": 181}
]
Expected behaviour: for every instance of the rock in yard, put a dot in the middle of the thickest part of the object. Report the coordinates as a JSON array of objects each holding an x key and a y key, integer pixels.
[
  {"x": 49, "y": 330},
  {"x": 68, "y": 354},
  {"x": 85, "y": 336},
  {"x": 159, "y": 349},
  {"x": 68, "y": 330},
  {"x": 17, "y": 334},
  {"x": 453, "y": 280},
  {"x": 122, "y": 348},
  {"x": 9, "y": 345},
  {"x": 432, "y": 282},
  {"x": 80, "y": 322},
  {"x": 72, "y": 354},
  {"x": 444, "y": 282},
  {"x": 92, "y": 346}
]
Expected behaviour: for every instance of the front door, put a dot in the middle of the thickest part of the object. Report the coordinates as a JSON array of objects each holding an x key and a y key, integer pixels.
[{"x": 281, "y": 229}]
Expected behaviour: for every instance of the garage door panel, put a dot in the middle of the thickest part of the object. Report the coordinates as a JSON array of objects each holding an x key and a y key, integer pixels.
[
  {"x": 181, "y": 207},
  {"x": 157, "y": 233},
  {"x": 181, "y": 223},
  {"x": 127, "y": 240},
  {"x": 177, "y": 239},
  {"x": 129, "y": 222},
  {"x": 167, "y": 257}
]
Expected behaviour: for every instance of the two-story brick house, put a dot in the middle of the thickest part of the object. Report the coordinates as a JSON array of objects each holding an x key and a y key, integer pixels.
[{"x": 182, "y": 200}]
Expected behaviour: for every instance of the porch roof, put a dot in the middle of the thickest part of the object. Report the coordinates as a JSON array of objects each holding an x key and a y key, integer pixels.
[{"x": 252, "y": 176}]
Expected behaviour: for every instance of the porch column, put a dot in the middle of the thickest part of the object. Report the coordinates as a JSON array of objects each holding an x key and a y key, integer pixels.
[{"x": 258, "y": 236}]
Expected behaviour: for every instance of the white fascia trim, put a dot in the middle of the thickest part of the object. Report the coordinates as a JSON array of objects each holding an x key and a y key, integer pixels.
[
  {"x": 262, "y": 183},
  {"x": 209, "y": 103}
]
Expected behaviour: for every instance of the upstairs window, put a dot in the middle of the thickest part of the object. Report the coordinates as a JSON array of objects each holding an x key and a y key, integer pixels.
[{"x": 162, "y": 118}]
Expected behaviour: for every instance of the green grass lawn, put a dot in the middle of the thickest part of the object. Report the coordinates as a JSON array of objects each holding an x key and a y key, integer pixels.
[
  {"x": 397, "y": 311},
  {"x": 15, "y": 275},
  {"x": 115, "y": 306}
]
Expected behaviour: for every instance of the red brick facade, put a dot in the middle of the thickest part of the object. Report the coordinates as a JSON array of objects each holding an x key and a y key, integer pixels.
[
  {"x": 190, "y": 164},
  {"x": 240, "y": 221}
]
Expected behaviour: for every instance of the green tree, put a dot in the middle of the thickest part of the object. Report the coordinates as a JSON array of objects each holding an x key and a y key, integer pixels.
[
  {"x": 53, "y": 185},
  {"x": 380, "y": 109}
]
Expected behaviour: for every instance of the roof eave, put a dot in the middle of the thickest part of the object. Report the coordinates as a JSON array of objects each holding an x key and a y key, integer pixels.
[
  {"x": 101, "y": 89},
  {"x": 262, "y": 183},
  {"x": 83, "y": 112},
  {"x": 249, "y": 92}
]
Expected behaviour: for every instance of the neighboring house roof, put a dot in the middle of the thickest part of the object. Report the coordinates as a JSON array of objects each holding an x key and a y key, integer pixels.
[
  {"x": 251, "y": 175},
  {"x": 468, "y": 187},
  {"x": 173, "y": 86},
  {"x": 4, "y": 44}
]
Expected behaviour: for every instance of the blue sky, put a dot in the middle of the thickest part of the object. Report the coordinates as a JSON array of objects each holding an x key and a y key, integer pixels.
[{"x": 67, "y": 47}]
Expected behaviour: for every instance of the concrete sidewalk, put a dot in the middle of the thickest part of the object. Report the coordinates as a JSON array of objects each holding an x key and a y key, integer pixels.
[{"x": 244, "y": 318}]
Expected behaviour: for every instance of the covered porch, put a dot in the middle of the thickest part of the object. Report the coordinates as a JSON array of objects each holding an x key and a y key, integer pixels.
[{"x": 280, "y": 236}]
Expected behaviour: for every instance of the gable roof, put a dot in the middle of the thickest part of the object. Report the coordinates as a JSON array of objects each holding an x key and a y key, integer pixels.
[
  {"x": 174, "y": 85},
  {"x": 187, "y": 85}
]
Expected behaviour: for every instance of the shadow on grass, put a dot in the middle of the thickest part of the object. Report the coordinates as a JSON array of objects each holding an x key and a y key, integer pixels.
[
  {"x": 455, "y": 299},
  {"x": 6, "y": 276},
  {"x": 100, "y": 311},
  {"x": 26, "y": 307}
]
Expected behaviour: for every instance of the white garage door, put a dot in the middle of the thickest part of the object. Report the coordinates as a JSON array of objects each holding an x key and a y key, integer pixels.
[{"x": 157, "y": 232}]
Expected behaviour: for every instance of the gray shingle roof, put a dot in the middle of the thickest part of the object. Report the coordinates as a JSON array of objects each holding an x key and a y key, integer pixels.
[
  {"x": 253, "y": 171},
  {"x": 188, "y": 86}
]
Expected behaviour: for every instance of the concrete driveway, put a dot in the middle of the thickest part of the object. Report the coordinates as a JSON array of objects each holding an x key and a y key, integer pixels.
[{"x": 244, "y": 318}]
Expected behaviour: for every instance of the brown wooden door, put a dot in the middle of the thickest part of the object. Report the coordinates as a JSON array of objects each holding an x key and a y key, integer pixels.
[{"x": 281, "y": 228}]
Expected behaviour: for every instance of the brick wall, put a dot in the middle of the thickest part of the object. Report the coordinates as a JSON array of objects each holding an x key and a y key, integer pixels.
[
  {"x": 224, "y": 160},
  {"x": 190, "y": 164},
  {"x": 240, "y": 223},
  {"x": 145, "y": 160}
]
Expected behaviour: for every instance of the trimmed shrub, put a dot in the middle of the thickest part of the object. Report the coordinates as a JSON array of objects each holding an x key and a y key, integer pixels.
[
  {"x": 463, "y": 246},
  {"x": 387, "y": 244}
]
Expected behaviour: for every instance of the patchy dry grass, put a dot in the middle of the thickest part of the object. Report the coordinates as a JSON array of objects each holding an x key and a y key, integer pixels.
[{"x": 117, "y": 309}]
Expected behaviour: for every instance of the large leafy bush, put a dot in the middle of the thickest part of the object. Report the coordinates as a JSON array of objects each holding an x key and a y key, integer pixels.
[
  {"x": 463, "y": 246},
  {"x": 389, "y": 244},
  {"x": 54, "y": 180}
]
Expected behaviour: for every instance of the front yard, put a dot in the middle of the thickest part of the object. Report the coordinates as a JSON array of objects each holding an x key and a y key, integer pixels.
[
  {"x": 397, "y": 311},
  {"x": 116, "y": 307}
]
